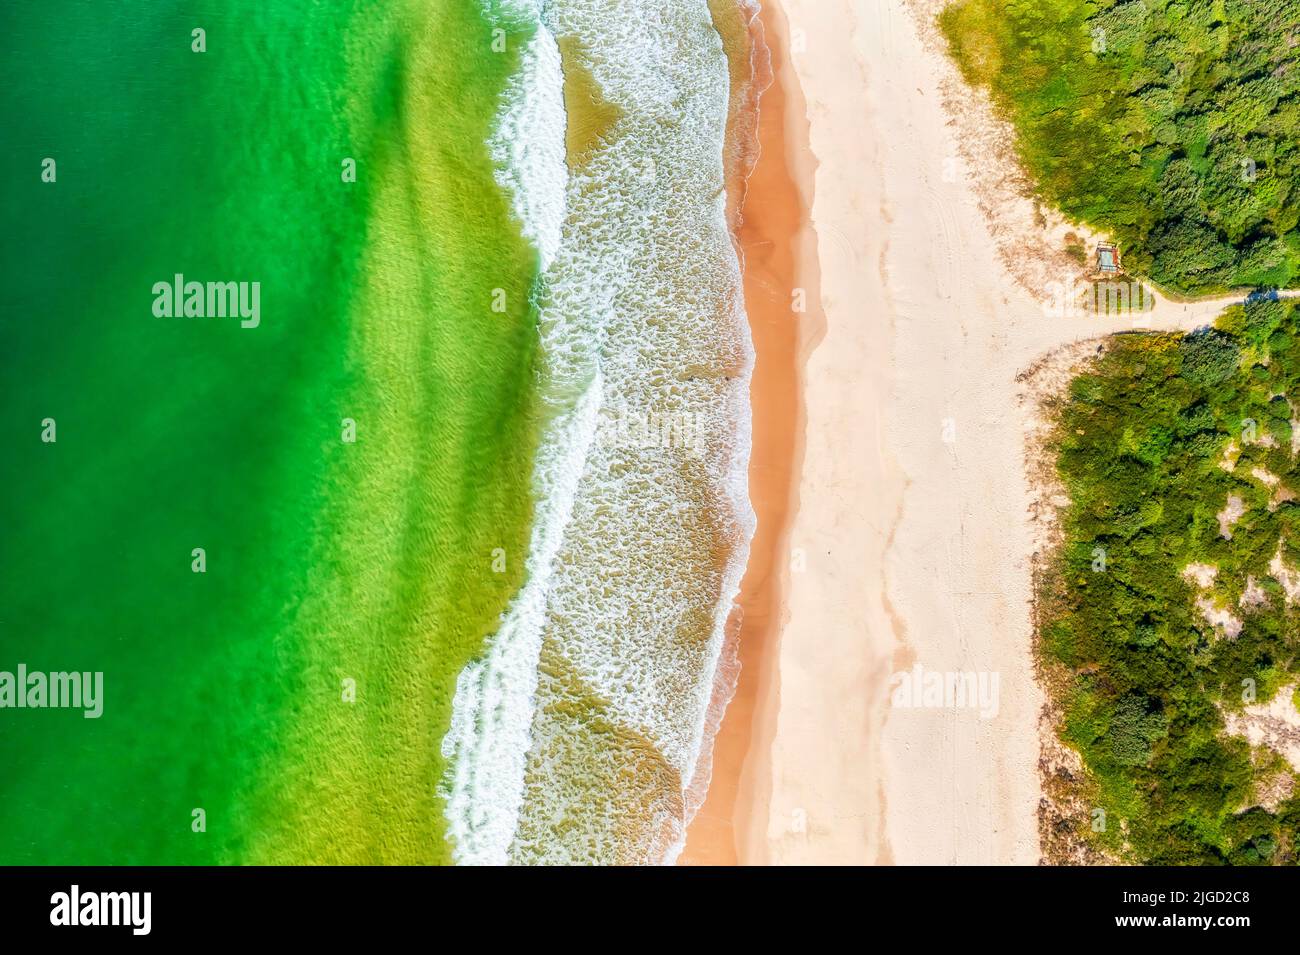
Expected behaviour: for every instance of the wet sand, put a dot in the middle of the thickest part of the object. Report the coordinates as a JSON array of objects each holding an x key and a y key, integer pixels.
[{"x": 778, "y": 249}]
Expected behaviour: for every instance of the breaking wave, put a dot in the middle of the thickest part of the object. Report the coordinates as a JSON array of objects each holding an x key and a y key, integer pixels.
[{"x": 577, "y": 734}]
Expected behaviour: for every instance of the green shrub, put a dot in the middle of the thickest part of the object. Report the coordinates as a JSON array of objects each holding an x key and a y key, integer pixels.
[
  {"x": 1171, "y": 126},
  {"x": 1139, "y": 442}
]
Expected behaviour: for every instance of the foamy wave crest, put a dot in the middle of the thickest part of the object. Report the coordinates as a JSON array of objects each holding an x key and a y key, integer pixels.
[
  {"x": 527, "y": 145},
  {"x": 492, "y": 712},
  {"x": 657, "y": 542},
  {"x": 487, "y": 742},
  {"x": 578, "y": 737}
]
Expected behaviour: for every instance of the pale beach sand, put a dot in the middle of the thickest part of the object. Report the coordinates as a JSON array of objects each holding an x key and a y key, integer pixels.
[{"x": 911, "y": 533}]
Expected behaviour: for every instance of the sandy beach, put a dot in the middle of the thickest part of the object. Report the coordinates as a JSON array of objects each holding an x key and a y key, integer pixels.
[
  {"x": 904, "y": 543},
  {"x": 779, "y": 251}
]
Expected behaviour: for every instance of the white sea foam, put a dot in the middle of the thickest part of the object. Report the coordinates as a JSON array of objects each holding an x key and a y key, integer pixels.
[
  {"x": 604, "y": 668},
  {"x": 527, "y": 145},
  {"x": 488, "y": 740},
  {"x": 493, "y": 709}
]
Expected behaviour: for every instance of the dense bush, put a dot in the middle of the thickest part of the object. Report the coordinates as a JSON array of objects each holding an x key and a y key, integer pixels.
[
  {"x": 1145, "y": 444},
  {"x": 1172, "y": 124}
]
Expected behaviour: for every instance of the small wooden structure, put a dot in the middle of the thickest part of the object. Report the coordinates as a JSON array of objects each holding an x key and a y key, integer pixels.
[{"x": 1108, "y": 259}]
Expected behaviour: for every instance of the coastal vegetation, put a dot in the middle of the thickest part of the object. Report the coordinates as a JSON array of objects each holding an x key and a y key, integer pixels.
[
  {"x": 1168, "y": 610},
  {"x": 1171, "y": 125}
]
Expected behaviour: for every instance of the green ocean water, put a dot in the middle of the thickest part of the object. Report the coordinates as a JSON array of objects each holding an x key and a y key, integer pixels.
[{"x": 326, "y": 560}]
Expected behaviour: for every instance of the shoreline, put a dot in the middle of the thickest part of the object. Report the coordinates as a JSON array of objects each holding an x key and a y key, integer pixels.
[{"x": 777, "y": 249}]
